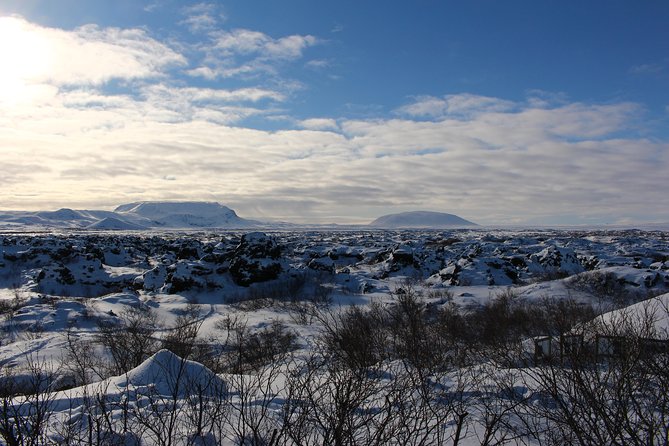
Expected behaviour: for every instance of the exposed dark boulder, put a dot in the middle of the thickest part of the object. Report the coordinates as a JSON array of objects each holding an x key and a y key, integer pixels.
[
  {"x": 258, "y": 245},
  {"x": 255, "y": 259}
]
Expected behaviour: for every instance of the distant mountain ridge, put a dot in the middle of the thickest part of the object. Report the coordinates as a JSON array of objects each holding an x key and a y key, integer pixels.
[
  {"x": 421, "y": 219},
  {"x": 135, "y": 216},
  {"x": 146, "y": 215}
]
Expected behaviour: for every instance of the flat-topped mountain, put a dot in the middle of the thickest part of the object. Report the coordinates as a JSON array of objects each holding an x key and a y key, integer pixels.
[
  {"x": 421, "y": 219},
  {"x": 159, "y": 209},
  {"x": 182, "y": 214}
]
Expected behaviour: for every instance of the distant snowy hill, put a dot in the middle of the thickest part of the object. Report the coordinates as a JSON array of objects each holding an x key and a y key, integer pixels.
[
  {"x": 183, "y": 214},
  {"x": 62, "y": 218},
  {"x": 133, "y": 216},
  {"x": 114, "y": 224},
  {"x": 421, "y": 219}
]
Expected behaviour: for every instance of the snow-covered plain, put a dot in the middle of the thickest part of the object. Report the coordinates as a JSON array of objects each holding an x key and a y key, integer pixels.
[{"x": 58, "y": 289}]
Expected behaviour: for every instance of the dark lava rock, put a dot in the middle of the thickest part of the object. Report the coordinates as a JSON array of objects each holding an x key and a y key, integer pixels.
[{"x": 255, "y": 259}]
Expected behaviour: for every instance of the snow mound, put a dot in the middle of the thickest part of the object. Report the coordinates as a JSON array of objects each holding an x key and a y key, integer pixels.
[
  {"x": 167, "y": 374},
  {"x": 420, "y": 219},
  {"x": 648, "y": 318}
]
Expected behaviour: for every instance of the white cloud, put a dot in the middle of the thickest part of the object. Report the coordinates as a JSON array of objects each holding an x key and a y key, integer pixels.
[
  {"x": 153, "y": 6},
  {"x": 454, "y": 105},
  {"x": 241, "y": 41},
  {"x": 87, "y": 55},
  {"x": 290, "y": 47},
  {"x": 318, "y": 64},
  {"x": 247, "y": 53},
  {"x": 209, "y": 95},
  {"x": 496, "y": 167},
  {"x": 244, "y": 41},
  {"x": 647, "y": 68},
  {"x": 425, "y": 106},
  {"x": 319, "y": 124},
  {"x": 201, "y": 17}
]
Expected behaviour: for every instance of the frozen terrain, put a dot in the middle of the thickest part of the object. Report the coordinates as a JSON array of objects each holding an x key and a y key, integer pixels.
[{"x": 70, "y": 297}]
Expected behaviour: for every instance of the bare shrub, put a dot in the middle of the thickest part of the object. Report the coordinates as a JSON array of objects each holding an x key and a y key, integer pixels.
[
  {"x": 181, "y": 339},
  {"x": 307, "y": 286},
  {"x": 355, "y": 336},
  {"x": 608, "y": 288},
  {"x": 555, "y": 316},
  {"x": 501, "y": 320},
  {"x": 254, "y": 417},
  {"x": 81, "y": 359},
  {"x": 8, "y": 309},
  {"x": 610, "y": 397},
  {"x": 441, "y": 295},
  {"x": 130, "y": 339},
  {"x": 339, "y": 397},
  {"x": 412, "y": 333},
  {"x": 26, "y": 402},
  {"x": 247, "y": 349},
  {"x": 507, "y": 319}
]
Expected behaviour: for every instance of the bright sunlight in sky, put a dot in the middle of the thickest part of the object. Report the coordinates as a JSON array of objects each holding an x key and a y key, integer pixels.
[
  {"x": 514, "y": 112},
  {"x": 26, "y": 57}
]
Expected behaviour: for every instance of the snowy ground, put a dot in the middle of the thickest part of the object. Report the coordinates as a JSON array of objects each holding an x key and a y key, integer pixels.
[{"x": 60, "y": 287}]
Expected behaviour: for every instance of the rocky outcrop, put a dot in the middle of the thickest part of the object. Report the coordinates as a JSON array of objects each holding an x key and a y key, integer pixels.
[{"x": 256, "y": 259}]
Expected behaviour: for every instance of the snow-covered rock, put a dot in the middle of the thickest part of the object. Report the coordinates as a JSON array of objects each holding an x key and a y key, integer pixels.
[{"x": 557, "y": 259}]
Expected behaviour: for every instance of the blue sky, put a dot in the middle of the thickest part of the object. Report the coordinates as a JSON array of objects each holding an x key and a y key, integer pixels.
[{"x": 520, "y": 112}]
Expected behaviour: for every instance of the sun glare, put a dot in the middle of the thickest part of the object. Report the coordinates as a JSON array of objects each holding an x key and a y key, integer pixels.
[{"x": 24, "y": 58}]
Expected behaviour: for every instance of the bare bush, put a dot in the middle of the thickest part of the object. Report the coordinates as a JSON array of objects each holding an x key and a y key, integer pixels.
[
  {"x": 81, "y": 359},
  {"x": 609, "y": 289},
  {"x": 355, "y": 336},
  {"x": 247, "y": 349},
  {"x": 614, "y": 396},
  {"x": 303, "y": 287},
  {"x": 343, "y": 394},
  {"x": 181, "y": 339},
  {"x": 26, "y": 402},
  {"x": 130, "y": 339},
  {"x": 254, "y": 416}
]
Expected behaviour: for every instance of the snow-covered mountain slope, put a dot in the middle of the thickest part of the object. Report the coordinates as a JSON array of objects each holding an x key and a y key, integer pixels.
[
  {"x": 421, "y": 219},
  {"x": 61, "y": 218},
  {"x": 182, "y": 214},
  {"x": 133, "y": 216},
  {"x": 115, "y": 224}
]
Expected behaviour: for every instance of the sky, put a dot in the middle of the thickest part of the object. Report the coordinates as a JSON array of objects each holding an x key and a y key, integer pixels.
[{"x": 502, "y": 112}]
